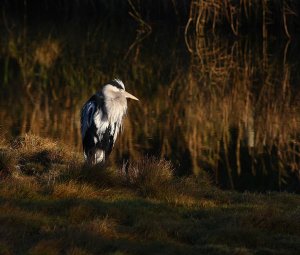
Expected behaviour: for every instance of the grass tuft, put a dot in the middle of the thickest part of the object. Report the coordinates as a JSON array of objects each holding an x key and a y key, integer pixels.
[
  {"x": 105, "y": 227},
  {"x": 149, "y": 175},
  {"x": 43, "y": 150},
  {"x": 73, "y": 189},
  {"x": 41, "y": 157}
]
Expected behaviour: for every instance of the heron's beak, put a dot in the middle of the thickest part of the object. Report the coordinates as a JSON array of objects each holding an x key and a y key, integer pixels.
[{"x": 128, "y": 95}]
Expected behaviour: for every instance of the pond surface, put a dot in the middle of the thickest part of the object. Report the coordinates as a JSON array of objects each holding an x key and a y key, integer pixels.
[{"x": 228, "y": 107}]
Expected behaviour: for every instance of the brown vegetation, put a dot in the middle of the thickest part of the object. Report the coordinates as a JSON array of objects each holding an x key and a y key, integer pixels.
[
  {"x": 263, "y": 17},
  {"x": 232, "y": 110},
  {"x": 78, "y": 214}
]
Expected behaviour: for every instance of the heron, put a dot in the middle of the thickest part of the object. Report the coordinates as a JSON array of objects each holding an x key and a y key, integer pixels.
[{"x": 101, "y": 120}]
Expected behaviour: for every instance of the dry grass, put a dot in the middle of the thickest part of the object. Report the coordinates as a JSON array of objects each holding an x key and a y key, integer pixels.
[
  {"x": 146, "y": 210},
  {"x": 42, "y": 149},
  {"x": 235, "y": 103},
  {"x": 36, "y": 156},
  {"x": 148, "y": 175},
  {"x": 104, "y": 227},
  {"x": 98, "y": 175},
  {"x": 72, "y": 189},
  {"x": 47, "y": 52}
]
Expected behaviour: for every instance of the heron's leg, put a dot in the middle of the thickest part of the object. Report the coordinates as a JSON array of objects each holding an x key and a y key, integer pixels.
[
  {"x": 99, "y": 156},
  {"x": 90, "y": 159},
  {"x": 95, "y": 156}
]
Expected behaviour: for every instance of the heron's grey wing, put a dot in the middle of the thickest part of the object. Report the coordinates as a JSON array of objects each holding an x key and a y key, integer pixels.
[{"x": 87, "y": 116}]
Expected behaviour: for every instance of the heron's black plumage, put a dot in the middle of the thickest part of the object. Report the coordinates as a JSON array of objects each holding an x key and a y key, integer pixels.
[
  {"x": 116, "y": 83},
  {"x": 92, "y": 138},
  {"x": 101, "y": 120}
]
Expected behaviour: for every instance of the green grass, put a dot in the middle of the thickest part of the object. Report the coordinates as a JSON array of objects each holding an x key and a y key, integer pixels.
[{"x": 67, "y": 208}]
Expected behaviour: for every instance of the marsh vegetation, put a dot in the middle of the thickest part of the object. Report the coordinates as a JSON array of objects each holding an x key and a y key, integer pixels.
[
  {"x": 51, "y": 203},
  {"x": 218, "y": 83},
  {"x": 216, "y": 103}
]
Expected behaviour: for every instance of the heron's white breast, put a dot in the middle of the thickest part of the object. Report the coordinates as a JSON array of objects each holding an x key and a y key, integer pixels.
[{"x": 101, "y": 123}]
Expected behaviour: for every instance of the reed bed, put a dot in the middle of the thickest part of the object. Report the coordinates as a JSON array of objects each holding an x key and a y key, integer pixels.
[
  {"x": 263, "y": 18},
  {"x": 242, "y": 113},
  {"x": 233, "y": 112}
]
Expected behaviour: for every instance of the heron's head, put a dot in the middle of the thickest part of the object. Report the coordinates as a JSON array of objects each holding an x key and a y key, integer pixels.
[{"x": 115, "y": 90}]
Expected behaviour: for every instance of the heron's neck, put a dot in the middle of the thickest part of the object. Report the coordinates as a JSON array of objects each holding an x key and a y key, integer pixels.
[{"x": 116, "y": 109}]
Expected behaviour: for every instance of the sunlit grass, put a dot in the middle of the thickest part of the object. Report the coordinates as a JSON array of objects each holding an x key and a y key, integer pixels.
[
  {"x": 149, "y": 176},
  {"x": 78, "y": 214}
]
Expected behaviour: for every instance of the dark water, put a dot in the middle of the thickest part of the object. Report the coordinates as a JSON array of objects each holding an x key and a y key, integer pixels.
[{"x": 230, "y": 108}]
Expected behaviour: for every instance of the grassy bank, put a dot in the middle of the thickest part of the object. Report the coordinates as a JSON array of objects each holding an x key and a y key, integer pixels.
[{"x": 51, "y": 204}]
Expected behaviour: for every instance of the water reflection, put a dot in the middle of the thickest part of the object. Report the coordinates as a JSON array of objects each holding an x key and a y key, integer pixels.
[{"x": 230, "y": 108}]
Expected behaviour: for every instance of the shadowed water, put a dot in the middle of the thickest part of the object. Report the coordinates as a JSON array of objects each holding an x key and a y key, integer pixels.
[{"x": 230, "y": 108}]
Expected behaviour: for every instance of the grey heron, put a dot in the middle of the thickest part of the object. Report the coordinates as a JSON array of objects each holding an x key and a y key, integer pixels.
[{"x": 101, "y": 120}]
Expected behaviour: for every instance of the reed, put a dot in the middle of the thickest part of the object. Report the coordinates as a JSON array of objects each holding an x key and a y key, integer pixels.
[
  {"x": 241, "y": 17},
  {"x": 233, "y": 112},
  {"x": 234, "y": 126}
]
